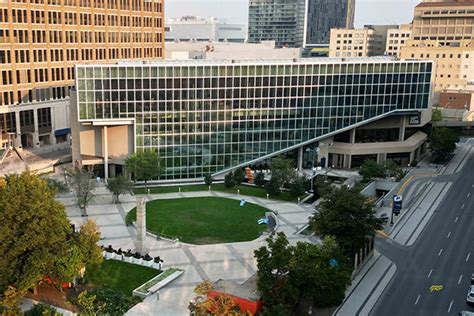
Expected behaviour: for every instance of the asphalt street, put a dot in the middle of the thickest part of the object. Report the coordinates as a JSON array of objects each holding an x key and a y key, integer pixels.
[{"x": 433, "y": 276}]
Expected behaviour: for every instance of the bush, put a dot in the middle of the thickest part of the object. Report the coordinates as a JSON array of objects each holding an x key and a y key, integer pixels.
[
  {"x": 260, "y": 179},
  {"x": 208, "y": 179},
  {"x": 239, "y": 176},
  {"x": 105, "y": 302},
  {"x": 273, "y": 187},
  {"x": 229, "y": 180},
  {"x": 371, "y": 169},
  {"x": 414, "y": 163},
  {"x": 42, "y": 310},
  {"x": 58, "y": 186},
  {"x": 298, "y": 186}
]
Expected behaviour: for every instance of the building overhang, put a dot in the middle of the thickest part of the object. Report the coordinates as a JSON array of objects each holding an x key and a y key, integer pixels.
[{"x": 114, "y": 122}]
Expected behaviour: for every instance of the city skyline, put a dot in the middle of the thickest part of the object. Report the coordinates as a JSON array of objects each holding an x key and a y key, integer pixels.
[{"x": 236, "y": 11}]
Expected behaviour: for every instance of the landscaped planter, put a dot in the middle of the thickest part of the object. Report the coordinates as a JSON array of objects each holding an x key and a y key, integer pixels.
[
  {"x": 128, "y": 259},
  {"x": 157, "y": 265},
  {"x": 161, "y": 280}
]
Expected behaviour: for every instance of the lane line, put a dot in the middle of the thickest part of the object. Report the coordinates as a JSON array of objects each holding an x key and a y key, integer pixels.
[
  {"x": 462, "y": 207},
  {"x": 429, "y": 274},
  {"x": 469, "y": 194},
  {"x": 450, "y": 306},
  {"x": 417, "y": 299},
  {"x": 460, "y": 278},
  {"x": 449, "y": 235},
  {"x": 440, "y": 252},
  {"x": 468, "y": 256},
  {"x": 456, "y": 220}
]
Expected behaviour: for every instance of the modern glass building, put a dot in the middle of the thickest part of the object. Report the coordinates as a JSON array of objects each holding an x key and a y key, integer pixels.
[{"x": 212, "y": 116}]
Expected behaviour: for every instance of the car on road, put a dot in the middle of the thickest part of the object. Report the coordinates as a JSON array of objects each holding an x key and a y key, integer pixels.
[
  {"x": 470, "y": 294},
  {"x": 466, "y": 313}
]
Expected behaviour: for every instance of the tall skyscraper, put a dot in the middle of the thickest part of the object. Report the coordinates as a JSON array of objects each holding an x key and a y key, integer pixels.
[
  {"x": 323, "y": 15},
  {"x": 298, "y": 23},
  {"x": 40, "y": 43}
]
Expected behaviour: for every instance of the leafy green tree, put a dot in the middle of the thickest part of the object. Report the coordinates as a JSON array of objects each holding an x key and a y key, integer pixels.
[
  {"x": 208, "y": 179},
  {"x": 42, "y": 310},
  {"x": 229, "y": 180},
  {"x": 282, "y": 170},
  {"x": 290, "y": 277},
  {"x": 298, "y": 186},
  {"x": 58, "y": 186},
  {"x": 145, "y": 165},
  {"x": 348, "y": 216},
  {"x": 371, "y": 169},
  {"x": 273, "y": 187},
  {"x": 80, "y": 181},
  {"x": 33, "y": 231},
  {"x": 118, "y": 186},
  {"x": 322, "y": 187},
  {"x": 436, "y": 115},
  {"x": 442, "y": 143},
  {"x": 239, "y": 176},
  {"x": 87, "y": 240},
  {"x": 67, "y": 264},
  {"x": 260, "y": 179}
]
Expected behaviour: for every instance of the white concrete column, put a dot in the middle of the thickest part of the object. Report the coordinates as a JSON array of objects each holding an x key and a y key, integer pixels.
[
  {"x": 106, "y": 153},
  {"x": 141, "y": 225},
  {"x": 52, "y": 137},
  {"x": 18, "y": 129},
  {"x": 403, "y": 124},
  {"x": 381, "y": 158},
  {"x": 300, "y": 159},
  {"x": 412, "y": 156},
  {"x": 36, "y": 131},
  {"x": 353, "y": 136}
]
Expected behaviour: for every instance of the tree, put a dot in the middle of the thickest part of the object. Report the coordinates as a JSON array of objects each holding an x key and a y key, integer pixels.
[
  {"x": 298, "y": 186},
  {"x": 58, "y": 186},
  {"x": 392, "y": 169},
  {"x": 282, "y": 170},
  {"x": 273, "y": 187},
  {"x": 87, "y": 240},
  {"x": 229, "y": 180},
  {"x": 208, "y": 179},
  {"x": 33, "y": 231},
  {"x": 442, "y": 143},
  {"x": 239, "y": 176},
  {"x": 83, "y": 186},
  {"x": 291, "y": 278},
  {"x": 145, "y": 165},
  {"x": 260, "y": 179},
  {"x": 371, "y": 169},
  {"x": 119, "y": 185},
  {"x": 348, "y": 216},
  {"x": 437, "y": 115}
]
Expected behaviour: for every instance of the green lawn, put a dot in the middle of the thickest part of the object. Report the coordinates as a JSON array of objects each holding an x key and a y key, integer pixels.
[
  {"x": 203, "y": 220},
  {"x": 244, "y": 190},
  {"x": 120, "y": 276}
]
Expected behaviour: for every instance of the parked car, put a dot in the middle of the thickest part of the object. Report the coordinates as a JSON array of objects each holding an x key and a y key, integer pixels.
[
  {"x": 470, "y": 295},
  {"x": 466, "y": 313}
]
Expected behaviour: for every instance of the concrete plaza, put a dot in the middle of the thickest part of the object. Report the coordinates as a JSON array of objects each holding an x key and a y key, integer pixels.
[{"x": 230, "y": 261}]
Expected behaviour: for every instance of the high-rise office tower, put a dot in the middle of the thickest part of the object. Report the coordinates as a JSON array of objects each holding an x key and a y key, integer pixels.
[
  {"x": 323, "y": 15},
  {"x": 298, "y": 23},
  {"x": 40, "y": 43}
]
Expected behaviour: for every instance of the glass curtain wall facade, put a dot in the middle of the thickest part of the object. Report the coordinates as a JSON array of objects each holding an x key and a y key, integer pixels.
[{"x": 210, "y": 117}]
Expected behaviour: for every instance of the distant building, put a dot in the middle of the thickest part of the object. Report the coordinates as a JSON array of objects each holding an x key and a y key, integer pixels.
[
  {"x": 397, "y": 38},
  {"x": 367, "y": 42},
  {"x": 298, "y": 23},
  {"x": 197, "y": 29},
  {"x": 217, "y": 51},
  {"x": 444, "y": 32}
]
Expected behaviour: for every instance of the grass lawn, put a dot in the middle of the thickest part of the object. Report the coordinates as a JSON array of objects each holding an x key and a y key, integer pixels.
[
  {"x": 220, "y": 187},
  {"x": 203, "y": 220},
  {"x": 120, "y": 276}
]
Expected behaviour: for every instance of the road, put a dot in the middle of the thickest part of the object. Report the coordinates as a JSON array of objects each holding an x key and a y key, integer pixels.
[{"x": 433, "y": 275}]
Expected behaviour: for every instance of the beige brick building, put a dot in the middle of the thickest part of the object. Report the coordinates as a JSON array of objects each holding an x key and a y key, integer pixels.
[
  {"x": 40, "y": 43},
  {"x": 444, "y": 32},
  {"x": 397, "y": 38}
]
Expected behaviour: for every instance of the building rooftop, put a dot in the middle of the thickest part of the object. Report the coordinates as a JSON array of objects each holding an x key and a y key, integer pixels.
[{"x": 446, "y": 4}]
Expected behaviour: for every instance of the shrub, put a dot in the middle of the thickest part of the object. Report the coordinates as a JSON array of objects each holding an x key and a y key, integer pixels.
[
  {"x": 208, "y": 179},
  {"x": 42, "y": 310},
  {"x": 105, "y": 302},
  {"x": 158, "y": 259},
  {"x": 147, "y": 257},
  {"x": 260, "y": 179},
  {"x": 273, "y": 187},
  {"x": 239, "y": 176},
  {"x": 109, "y": 249},
  {"x": 229, "y": 180},
  {"x": 298, "y": 186},
  {"x": 137, "y": 255},
  {"x": 414, "y": 163},
  {"x": 128, "y": 253}
]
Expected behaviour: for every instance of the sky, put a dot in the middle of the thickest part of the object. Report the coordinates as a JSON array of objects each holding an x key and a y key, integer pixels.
[{"x": 236, "y": 11}]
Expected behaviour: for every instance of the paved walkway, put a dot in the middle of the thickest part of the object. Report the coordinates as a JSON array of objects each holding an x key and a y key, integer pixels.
[{"x": 231, "y": 261}]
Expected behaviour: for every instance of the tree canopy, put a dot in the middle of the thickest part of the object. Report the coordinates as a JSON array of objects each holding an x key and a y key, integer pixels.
[
  {"x": 442, "y": 143},
  {"x": 33, "y": 231},
  {"x": 348, "y": 216},
  {"x": 80, "y": 181},
  {"x": 145, "y": 165},
  {"x": 371, "y": 169},
  {"x": 118, "y": 186},
  {"x": 292, "y": 278}
]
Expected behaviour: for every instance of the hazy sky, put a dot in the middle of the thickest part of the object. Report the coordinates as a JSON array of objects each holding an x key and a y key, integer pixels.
[{"x": 236, "y": 11}]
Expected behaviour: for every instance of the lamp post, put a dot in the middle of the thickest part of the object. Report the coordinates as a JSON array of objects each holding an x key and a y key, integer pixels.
[{"x": 313, "y": 167}]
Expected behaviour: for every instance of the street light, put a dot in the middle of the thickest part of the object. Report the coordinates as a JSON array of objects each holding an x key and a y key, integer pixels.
[{"x": 313, "y": 166}]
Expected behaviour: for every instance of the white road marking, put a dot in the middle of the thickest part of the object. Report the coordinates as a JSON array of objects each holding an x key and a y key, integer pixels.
[
  {"x": 460, "y": 278},
  {"x": 469, "y": 194},
  {"x": 468, "y": 256},
  {"x": 449, "y": 234},
  {"x": 429, "y": 274},
  {"x": 417, "y": 299},
  {"x": 440, "y": 252},
  {"x": 450, "y": 306},
  {"x": 456, "y": 220},
  {"x": 462, "y": 206}
]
